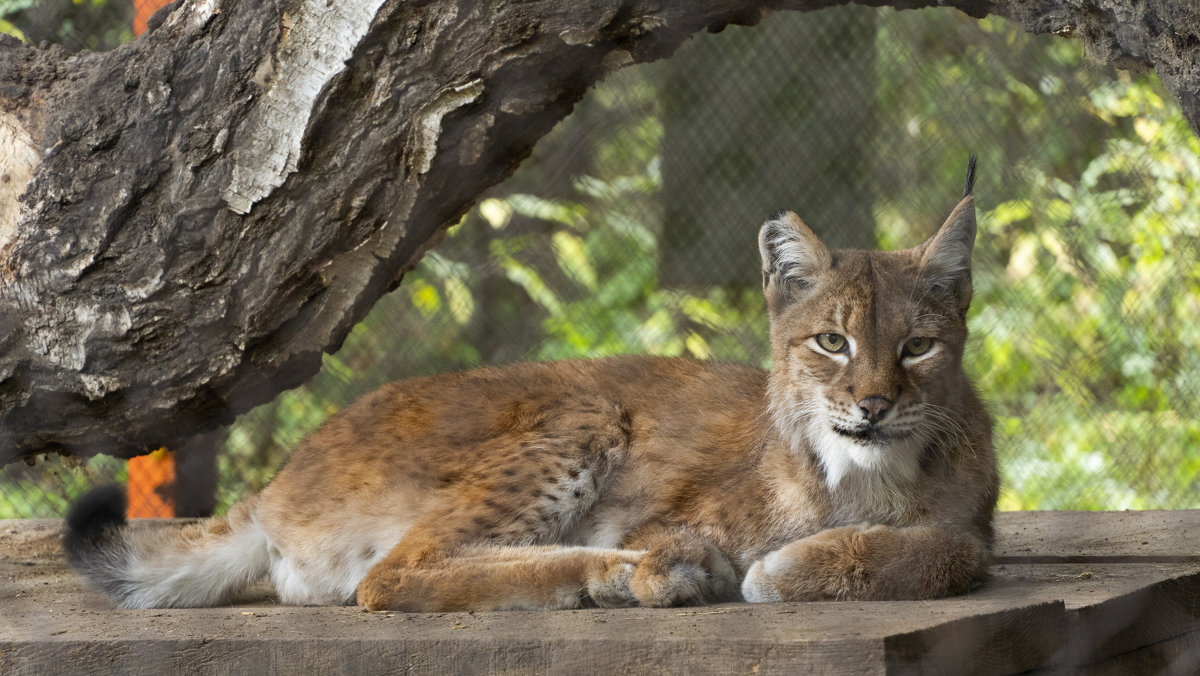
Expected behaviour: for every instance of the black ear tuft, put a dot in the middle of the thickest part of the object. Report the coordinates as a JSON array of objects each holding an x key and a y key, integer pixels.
[
  {"x": 92, "y": 519},
  {"x": 970, "y": 184},
  {"x": 946, "y": 257}
]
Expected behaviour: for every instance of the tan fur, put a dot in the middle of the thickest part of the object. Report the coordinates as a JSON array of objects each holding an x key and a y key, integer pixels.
[{"x": 654, "y": 481}]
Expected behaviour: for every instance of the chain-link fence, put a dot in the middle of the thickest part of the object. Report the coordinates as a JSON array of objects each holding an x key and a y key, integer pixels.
[
  {"x": 74, "y": 24},
  {"x": 632, "y": 230}
]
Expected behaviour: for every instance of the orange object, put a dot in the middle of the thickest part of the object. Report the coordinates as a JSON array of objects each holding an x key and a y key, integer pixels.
[
  {"x": 150, "y": 478},
  {"x": 142, "y": 10}
]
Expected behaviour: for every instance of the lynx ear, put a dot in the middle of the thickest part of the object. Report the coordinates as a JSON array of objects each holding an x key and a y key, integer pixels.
[
  {"x": 792, "y": 258},
  {"x": 946, "y": 257}
]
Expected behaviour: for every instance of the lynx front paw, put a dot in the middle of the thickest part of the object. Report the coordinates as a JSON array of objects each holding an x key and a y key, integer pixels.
[
  {"x": 759, "y": 585},
  {"x": 827, "y": 566},
  {"x": 680, "y": 584},
  {"x": 683, "y": 569},
  {"x": 610, "y": 587},
  {"x": 867, "y": 563}
]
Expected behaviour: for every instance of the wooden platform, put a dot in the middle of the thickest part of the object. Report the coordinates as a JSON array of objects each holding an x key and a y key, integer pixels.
[{"x": 1072, "y": 592}]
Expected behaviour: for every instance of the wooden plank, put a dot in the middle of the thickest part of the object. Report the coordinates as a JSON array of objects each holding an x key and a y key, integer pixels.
[
  {"x": 1016, "y": 641},
  {"x": 1059, "y": 606},
  {"x": 1160, "y": 612},
  {"x": 55, "y": 616},
  {"x": 1160, "y": 603},
  {"x": 1083, "y": 537},
  {"x": 1179, "y": 656}
]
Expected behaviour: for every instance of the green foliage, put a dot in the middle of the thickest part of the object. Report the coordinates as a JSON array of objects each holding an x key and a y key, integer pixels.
[
  {"x": 1086, "y": 339},
  {"x": 47, "y": 487},
  {"x": 1084, "y": 332},
  {"x": 1083, "y": 338},
  {"x": 75, "y": 24},
  {"x": 9, "y": 8},
  {"x": 13, "y": 6},
  {"x": 629, "y": 311}
]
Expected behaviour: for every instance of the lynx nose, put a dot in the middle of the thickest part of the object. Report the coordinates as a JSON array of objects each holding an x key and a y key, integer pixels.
[{"x": 875, "y": 407}]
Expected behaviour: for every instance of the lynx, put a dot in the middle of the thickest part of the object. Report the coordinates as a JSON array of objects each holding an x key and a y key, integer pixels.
[{"x": 859, "y": 467}]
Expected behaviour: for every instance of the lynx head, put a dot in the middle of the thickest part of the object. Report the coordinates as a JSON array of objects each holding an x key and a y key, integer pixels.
[{"x": 867, "y": 345}]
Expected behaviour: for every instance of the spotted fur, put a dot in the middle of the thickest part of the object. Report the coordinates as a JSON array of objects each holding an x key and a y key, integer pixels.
[{"x": 859, "y": 467}]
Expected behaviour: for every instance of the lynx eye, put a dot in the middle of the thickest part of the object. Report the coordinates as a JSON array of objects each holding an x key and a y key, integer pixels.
[
  {"x": 916, "y": 347},
  {"x": 831, "y": 342}
]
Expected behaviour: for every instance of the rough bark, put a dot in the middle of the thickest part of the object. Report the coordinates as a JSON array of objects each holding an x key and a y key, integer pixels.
[{"x": 189, "y": 221}]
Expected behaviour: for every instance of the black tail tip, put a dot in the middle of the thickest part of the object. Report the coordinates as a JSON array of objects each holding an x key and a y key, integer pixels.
[
  {"x": 94, "y": 515},
  {"x": 970, "y": 183}
]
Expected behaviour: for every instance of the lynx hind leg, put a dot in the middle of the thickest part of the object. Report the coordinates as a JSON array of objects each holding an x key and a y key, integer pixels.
[
  {"x": 485, "y": 539},
  {"x": 532, "y": 484},
  {"x": 545, "y": 577},
  {"x": 681, "y": 567}
]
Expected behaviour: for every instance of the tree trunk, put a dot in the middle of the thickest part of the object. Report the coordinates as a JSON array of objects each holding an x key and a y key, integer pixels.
[
  {"x": 194, "y": 491},
  {"x": 189, "y": 221}
]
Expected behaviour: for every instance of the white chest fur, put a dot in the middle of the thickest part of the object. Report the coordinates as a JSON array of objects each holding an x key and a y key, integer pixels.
[{"x": 869, "y": 481}]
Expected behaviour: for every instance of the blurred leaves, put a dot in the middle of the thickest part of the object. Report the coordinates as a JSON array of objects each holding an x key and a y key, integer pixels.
[
  {"x": 1085, "y": 330},
  {"x": 1087, "y": 343},
  {"x": 75, "y": 24}
]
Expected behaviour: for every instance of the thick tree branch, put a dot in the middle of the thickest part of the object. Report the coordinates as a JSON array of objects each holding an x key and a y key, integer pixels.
[{"x": 203, "y": 212}]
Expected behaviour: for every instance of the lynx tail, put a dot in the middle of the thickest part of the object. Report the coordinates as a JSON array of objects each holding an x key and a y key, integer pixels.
[{"x": 163, "y": 566}]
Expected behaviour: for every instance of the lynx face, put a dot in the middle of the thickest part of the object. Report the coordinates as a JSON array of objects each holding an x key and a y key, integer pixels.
[{"x": 867, "y": 346}]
